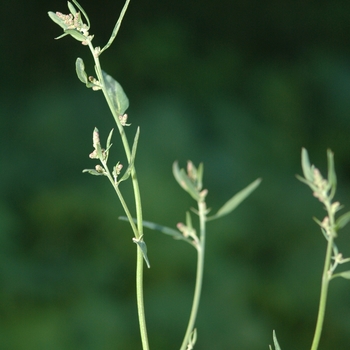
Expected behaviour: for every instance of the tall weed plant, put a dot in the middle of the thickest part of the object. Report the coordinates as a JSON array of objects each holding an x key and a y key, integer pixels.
[{"x": 77, "y": 25}]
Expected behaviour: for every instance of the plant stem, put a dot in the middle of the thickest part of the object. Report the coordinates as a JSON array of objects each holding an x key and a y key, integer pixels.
[
  {"x": 325, "y": 284},
  {"x": 140, "y": 301},
  {"x": 137, "y": 196},
  {"x": 202, "y": 212}
]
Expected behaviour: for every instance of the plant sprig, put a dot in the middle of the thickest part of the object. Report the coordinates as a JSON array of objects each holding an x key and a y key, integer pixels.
[
  {"x": 77, "y": 25},
  {"x": 324, "y": 190}
]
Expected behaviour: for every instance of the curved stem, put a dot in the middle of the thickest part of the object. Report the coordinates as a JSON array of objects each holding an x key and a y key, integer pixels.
[{"x": 199, "y": 275}]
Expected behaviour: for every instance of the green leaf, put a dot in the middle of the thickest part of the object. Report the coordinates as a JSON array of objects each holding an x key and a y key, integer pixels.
[
  {"x": 116, "y": 27},
  {"x": 75, "y": 34},
  {"x": 142, "y": 245},
  {"x": 92, "y": 172},
  {"x": 345, "y": 274},
  {"x": 332, "y": 177},
  {"x": 108, "y": 145},
  {"x": 183, "y": 180},
  {"x": 164, "y": 229},
  {"x": 275, "y": 342},
  {"x": 83, "y": 12},
  {"x": 189, "y": 220},
  {"x": 72, "y": 9},
  {"x": 342, "y": 220},
  {"x": 305, "y": 164},
  {"x": 109, "y": 139},
  {"x": 237, "y": 199},
  {"x": 132, "y": 157},
  {"x": 200, "y": 176},
  {"x": 61, "y": 36},
  {"x": 116, "y": 93},
  {"x": 80, "y": 69},
  {"x": 57, "y": 20}
]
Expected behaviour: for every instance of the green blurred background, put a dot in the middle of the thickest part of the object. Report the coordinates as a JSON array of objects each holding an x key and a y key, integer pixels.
[{"x": 238, "y": 85}]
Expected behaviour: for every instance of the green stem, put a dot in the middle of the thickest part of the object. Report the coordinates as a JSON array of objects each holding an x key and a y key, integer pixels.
[
  {"x": 199, "y": 275},
  {"x": 121, "y": 199},
  {"x": 325, "y": 284},
  {"x": 139, "y": 232}
]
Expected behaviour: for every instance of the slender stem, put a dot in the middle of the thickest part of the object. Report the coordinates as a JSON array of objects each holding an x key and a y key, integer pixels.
[
  {"x": 199, "y": 274},
  {"x": 325, "y": 284},
  {"x": 121, "y": 199},
  {"x": 323, "y": 298},
  {"x": 137, "y": 196},
  {"x": 140, "y": 301}
]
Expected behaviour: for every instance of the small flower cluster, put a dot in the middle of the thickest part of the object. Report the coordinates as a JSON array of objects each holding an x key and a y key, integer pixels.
[
  {"x": 102, "y": 154},
  {"x": 191, "y": 181},
  {"x": 322, "y": 186},
  {"x": 72, "y": 24},
  {"x": 324, "y": 190}
]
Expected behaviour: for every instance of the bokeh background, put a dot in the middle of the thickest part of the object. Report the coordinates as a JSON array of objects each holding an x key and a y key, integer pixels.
[{"x": 238, "y": 85}]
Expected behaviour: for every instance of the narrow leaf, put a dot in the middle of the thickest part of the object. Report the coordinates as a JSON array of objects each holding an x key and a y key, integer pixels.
[
  {"x": 57, "y": 20},
  {"x": 164, "y": 229},
  {"x": 75, "y": 34},
  {"x": 116, "y": 27},
  {"x": 342, "y": 220},
  {"x": 72, "y": 9},
  {"x": 189, "y": 220},
  {"x": 332, "y": 177},
  {"x": 109, "y": 139},
  {"x": 238, "y": 198},
  {"x": 61, "y": 36},
  {"x": 305, "y": 164},
  {"x": 200, "y": 176},
  {"x": 183, "y": 180},
  {"x": 116, "y": 93},
  {"x": 275, "y": 342},
  {"x": 92, "y": 172},
  {"x": 80, "y": 69},
  {"x": 177, "y": 174},
  {"x": 142, "y": 245},
  {"x": 132, "y": 157},
  {"x": 83, "y": 12},
  {"x": 345, "y": 274}
]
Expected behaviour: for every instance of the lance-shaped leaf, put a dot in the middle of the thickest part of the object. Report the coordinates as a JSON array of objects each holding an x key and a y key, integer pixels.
[
  {"x": 342, "y": 220},
  {"x": 200, "y": 176},
  {"x": 142, "y": 245},
  {"x": 305, "y": 164},
  {"x": 332, "y": 177},
  {"x": 57, "y": 20},
  {"x": 72, "y": 9},
  {"x": 75, "y": 34},
  {"x": 345, "y": 274},
  {"x": 164, "y": 229},
  {"x": 185, "y": 182},
  {"x": 237, "y": 199},
  {"x": 132, "y": 157},
  {"x": 116, "y": 93},
  {"x": 275, "y": 342},
  {"x": 116, "y": 27},
  {"x": 109, "y": 139},
  {"x": 108, "y": 145},
  {"x": 93, "y": 172},
  {"x": 81, "y": 10},
  {"x": 80, "y": 69}
]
